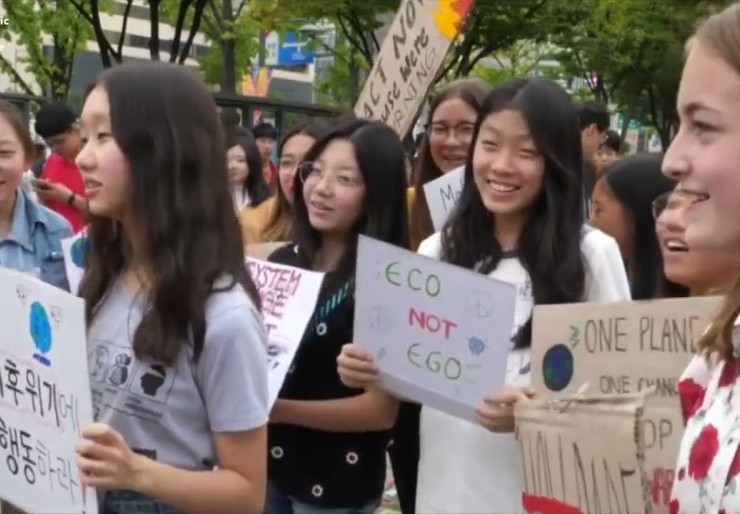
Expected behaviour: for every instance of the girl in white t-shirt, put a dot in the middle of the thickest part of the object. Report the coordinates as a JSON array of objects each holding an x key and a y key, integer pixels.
[{"x": 519, "y": 219}]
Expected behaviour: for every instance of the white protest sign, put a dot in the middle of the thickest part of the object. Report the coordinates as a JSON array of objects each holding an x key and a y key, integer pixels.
[
  {"x": 409, "y": 59},
  {"x": 440, "y": 334},
  {"x": 442, "y": 194},
  {"x": 289, "y": 297},
  {"x": 625, "y": 348},
  {"x": 74, "y": 249},
  {"x": 45, "y": 396}
]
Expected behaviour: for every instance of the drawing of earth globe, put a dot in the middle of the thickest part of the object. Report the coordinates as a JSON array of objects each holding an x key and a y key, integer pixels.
[
  {"x": 78, "y": 250},
  {"x": 557, "y": 367},
  {"x": 40, "y": 327}
]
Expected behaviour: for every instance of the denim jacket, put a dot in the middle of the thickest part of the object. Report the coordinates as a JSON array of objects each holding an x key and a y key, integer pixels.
[{"x": 34, "y": 242}]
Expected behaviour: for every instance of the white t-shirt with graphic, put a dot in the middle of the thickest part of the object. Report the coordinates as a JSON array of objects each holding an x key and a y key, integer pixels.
[
  {"x": 170, "y": 413},
  {"x": 465, "y": 468}
]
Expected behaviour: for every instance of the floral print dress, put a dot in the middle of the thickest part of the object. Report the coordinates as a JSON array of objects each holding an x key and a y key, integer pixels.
[{"x": 708, "y": 468}]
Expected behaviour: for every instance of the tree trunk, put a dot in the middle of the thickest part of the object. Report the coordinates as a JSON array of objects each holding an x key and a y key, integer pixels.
[
  {"x": 228, "y": 77},
  {"x": 354, "y": 77}
]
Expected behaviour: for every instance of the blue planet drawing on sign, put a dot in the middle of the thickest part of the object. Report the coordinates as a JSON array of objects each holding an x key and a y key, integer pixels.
[
  {"x": 557, "y": 367},
  {"x": 476, "y": 345},
  {"x": 40, "y": 328},
  {"x": 78, "y": 251}
]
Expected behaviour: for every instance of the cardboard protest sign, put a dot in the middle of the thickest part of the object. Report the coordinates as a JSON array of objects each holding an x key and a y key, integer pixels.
[
  {"x": 441, "y": 334},
  {"x": 45, "y": 396},
  {"x": 570, "y": 464},
  {"x": 74, "y": 250},
  {"x": 625, "y": 348},
  {"x": 409, "y": 59},
  {"x": 289, "y": 297},
  {"x": 442, "y": 194}
]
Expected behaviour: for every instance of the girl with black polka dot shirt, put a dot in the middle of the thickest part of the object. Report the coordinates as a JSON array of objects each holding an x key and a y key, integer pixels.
[{"x": 327, "y": 442}]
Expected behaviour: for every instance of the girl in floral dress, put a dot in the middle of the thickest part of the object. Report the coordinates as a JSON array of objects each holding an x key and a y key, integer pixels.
[{"x": 704, "y": 158}]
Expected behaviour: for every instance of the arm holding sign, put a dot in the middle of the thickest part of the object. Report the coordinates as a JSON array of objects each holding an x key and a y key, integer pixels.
[
  {"x": 357, "y": 369},
  {"x": 497, "y": 412},
  {"x": 370, "y": 411}
]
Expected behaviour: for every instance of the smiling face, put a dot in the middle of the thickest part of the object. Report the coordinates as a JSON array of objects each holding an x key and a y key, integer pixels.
[
  {"x": 451, "y": 133},
  {"x": 702, "y": 271},
  {"x": 13, "y": 162},
  {"x": 507, "y": 167},
  {"x": 334, "y": 189},
  {"x": 705, "y": 153},
  {"x": 103, "y": 166}
]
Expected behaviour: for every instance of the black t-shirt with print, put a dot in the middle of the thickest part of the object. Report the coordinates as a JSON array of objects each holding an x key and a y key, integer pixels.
[{"x": 324, "y": 469}]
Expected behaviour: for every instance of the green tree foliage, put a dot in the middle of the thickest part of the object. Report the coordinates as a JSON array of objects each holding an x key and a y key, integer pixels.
[
  {"x": 29, "y": 21},
  {"x": 492, "y": 27},
  {"x": 628, "y": 51}
]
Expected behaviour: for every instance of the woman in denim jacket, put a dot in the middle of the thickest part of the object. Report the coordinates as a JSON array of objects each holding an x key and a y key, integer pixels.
[{"x": 30, "y": 234}]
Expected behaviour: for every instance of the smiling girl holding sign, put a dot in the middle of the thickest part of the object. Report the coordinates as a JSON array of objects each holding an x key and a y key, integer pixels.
[
  {"x": 328, "y": 441},
  {"x": 519, "y": 219}
]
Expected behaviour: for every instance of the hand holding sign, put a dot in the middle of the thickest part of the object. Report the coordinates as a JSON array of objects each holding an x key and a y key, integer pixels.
[
  {"x": 356, "y": 367},
  {"x": 497, "y": 412}
]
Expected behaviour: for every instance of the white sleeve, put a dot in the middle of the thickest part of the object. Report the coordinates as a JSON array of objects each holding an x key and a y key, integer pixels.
[
  {"x": 607, "y": 278},
  {"x": 431, "y": 246}
]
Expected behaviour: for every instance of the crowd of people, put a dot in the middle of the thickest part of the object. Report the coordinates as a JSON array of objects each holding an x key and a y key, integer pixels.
[{"x": 549, "y": 203}]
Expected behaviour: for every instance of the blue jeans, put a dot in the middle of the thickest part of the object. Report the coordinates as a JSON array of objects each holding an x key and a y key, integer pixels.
[
  {"x": 278, "y": 503},
  {"x": 130, "y": 502}
]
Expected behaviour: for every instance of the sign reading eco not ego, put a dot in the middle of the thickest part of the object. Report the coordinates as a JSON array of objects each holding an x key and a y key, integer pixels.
[{"x": 441, "y": 334}]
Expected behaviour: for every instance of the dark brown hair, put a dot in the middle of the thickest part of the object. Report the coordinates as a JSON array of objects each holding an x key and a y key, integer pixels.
[
  {"x": 164, "y": 120},
  {"x": 472, "y": 92}
]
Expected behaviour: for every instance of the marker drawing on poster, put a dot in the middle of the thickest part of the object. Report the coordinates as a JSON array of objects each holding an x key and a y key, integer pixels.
[
  {"x": 409, "y": 59},
  {"x": 45, "y": 397},
  {"x": 442, "y": 195},
  {"x": 625, "y": 348},
  {"x": 569, "y": 468},
  {"x": 440, "y": 334},
  {"x": 289, "y": 296},
  {"x": 74, "y": 250}
]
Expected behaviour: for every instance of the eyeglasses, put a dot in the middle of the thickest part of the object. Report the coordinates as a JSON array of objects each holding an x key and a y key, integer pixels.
[
  {"x": 461, "y": 131},
  {"x": 671, "y": 200},
  {"x": 312, "y": 172}
]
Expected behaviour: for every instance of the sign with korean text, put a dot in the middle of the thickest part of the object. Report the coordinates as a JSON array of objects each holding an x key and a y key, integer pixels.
[
  {"x": 45, "y": 396},
  {"x": 625, "y": 348},
  {"x": 442, "y": 194},
  {"x": 569, "y": 463},
  {"x": 289, "y": 297},
  {"x": 410, "y": 57},
  {"x": 440, "y": 334}
]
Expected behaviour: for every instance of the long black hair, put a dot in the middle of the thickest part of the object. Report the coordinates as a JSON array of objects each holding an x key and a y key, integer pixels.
[
  {"x": 179, "y": 204},
  {"x": 381, "y": 160},
  {"x": 549, "y": 246},
  {"x": 254, "y": 185},
  {"x": 636, "y": 181}
]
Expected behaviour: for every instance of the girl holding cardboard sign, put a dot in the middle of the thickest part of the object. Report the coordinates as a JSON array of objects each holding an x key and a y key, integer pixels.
[
  {"x": 517, "y": 220},
  {"x": 703, "y": 158}
]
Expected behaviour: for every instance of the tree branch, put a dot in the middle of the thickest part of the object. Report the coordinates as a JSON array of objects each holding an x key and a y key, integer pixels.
[
  {"x": 122, "y": 35},
  {"x": 482, "y": 53},
  {"x": 216, "y": 17},
  {"x": 197, "y": 16},
  {"x": 240, "y": 9},
  {"x": 15, "y": 76},
  {"x": 179, "y": 23},
  {"x": 320, "y": 42},
  {"x": 354, "y": 42},
  {"x": 104, "y": 46}
]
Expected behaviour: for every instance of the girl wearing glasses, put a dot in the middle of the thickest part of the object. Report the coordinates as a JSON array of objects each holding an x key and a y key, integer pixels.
[
  {"x": 327, "y": 441},
  {"x": 621, "y": 207}
]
